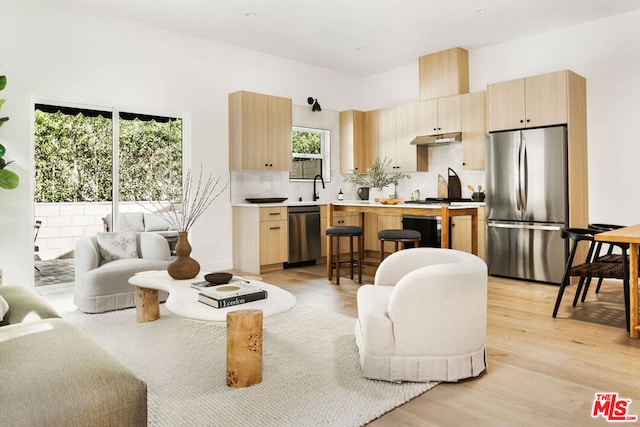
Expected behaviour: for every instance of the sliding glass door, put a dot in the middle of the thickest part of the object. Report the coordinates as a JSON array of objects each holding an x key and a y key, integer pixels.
[{"x": 89, "y": 168}]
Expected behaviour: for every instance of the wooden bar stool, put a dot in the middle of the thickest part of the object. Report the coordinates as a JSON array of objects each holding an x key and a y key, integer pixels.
[
  {"x": 349, "y": 231},
  {"x": 398, "y": 236}
]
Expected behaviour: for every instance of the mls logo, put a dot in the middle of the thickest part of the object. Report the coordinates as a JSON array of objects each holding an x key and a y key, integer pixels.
[{"x": 612, "y": 408}]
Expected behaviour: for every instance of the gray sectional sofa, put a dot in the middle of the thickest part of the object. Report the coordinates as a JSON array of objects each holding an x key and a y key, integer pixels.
[{"x": 53, "y": 374}]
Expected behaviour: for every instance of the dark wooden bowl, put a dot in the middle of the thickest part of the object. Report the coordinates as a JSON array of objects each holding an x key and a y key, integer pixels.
[{"x": 218, "y": 278}]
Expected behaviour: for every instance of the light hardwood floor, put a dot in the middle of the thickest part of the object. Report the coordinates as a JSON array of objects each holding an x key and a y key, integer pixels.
[{"x": 542, "y": 371}]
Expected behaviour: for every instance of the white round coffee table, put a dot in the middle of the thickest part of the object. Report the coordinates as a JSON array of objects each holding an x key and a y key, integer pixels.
[{"x": 183, "y": 299}]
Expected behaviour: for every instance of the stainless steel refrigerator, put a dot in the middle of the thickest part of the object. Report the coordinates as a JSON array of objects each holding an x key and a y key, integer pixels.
[{"x": 527, "y": 203}]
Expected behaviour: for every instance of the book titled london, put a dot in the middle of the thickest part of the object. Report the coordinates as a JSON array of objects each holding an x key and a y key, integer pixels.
[{"x": 231, "y": 301}]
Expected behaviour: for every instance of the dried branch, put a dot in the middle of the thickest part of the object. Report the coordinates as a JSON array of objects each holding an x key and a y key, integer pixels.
[{"x": 192, "y": 205}]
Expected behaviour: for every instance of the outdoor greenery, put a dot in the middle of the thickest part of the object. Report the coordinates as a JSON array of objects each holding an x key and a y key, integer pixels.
[
  {"x": 305, "y": 142},
  {"x": 73, "y": 159}
]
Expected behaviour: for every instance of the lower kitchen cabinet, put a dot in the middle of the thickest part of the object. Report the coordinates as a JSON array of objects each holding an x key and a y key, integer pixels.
[
  {"x": 376, "y": 222},
  {"x": 260, "y": 238},
  {"x": 461, "y": 233}
]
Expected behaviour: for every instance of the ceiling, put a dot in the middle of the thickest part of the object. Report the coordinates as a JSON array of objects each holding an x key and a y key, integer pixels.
[{"x": 360, "y": 37}]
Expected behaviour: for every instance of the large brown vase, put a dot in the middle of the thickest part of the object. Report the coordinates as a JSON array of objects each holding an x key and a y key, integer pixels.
[{"x": 183, "y": 267}]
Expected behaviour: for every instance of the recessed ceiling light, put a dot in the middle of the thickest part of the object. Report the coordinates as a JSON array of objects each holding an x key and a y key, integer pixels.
[
  {"x": 481, "y": 10},
  {"x": 250, "y": 14}
]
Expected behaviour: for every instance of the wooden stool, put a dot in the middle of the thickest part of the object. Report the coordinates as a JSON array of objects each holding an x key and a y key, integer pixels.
[
  {"x": 349, "y": 231},
  {"x": 398, "y": 236},
  {"x": 244, "y": 348}
]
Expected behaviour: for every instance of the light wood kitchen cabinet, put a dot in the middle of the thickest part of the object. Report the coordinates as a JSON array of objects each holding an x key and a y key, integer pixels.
[
  {"x": 528, "y": 102},
  {"x": 474, "y": 129},
  {"x": 260, "y": 238},
  {"x": 357, "y": 141},
  {"x": 438, "y": 116},
  {"x": 444, "y": 73},
  {"x": 461, "y": 233},
  {"x": 396, "y": 127},
  {"x": 259, "y": 132}
]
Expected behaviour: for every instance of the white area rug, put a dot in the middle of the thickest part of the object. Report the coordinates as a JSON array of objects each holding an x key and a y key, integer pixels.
[{"x": 311, "y": 373}]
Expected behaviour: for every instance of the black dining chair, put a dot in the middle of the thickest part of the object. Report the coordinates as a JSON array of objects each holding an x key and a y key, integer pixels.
[
  {"x": 600, "y": 256},
  {"x": 591, "y": 268}
]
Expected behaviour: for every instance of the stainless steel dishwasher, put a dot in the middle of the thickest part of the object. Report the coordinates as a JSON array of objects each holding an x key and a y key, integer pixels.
[{"x": 304, "y": 234}]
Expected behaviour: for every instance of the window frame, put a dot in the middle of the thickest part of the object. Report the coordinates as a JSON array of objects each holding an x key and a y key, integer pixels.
[
  {"x": 115, "y": 111},
  {"x": 324, "y": 156}
]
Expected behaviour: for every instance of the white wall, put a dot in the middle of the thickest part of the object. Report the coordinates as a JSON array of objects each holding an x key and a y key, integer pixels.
[
  {"x": 53, "y": 51},
  {"x": 50, "y": 50},
  {"x": 605, "y": 52}
]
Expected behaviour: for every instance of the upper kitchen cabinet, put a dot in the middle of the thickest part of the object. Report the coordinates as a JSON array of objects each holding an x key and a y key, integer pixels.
[
  {"x": 444, "y": 73},
  {"x": 357, "y": 140},
  {"x": 474, "y": 129},
  {"x": 439, "y": 116},
  {"x": 529, "y": 102},
  {"x": 396, "y": 128},
  {"x": 259, "y": 132}
]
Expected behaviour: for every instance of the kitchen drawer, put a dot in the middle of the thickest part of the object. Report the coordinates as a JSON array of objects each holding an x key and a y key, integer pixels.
[{"x": 273, "y": 214}]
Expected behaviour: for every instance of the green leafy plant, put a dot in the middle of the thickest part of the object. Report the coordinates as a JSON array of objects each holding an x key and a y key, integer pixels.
[
  {"x": 8, "y": 179},
  {"x": 3, "y": 84},
  {"x": 377, "y": 175}
]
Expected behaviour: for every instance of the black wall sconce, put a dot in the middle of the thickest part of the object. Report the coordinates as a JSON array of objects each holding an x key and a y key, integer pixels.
[{"x": 314, "y": 103}]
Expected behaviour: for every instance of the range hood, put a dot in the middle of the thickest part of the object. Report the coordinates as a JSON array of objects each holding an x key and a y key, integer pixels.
[{"x": 442, "y": 139}]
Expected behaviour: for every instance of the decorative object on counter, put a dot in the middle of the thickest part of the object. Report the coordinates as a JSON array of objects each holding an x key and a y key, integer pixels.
[
  {"x": 443, "y": 191},
  {"x": 340, "y": 195},
  {"x": 476, "y": 196},
  {"x": 193, "y": 204},
  {"x": 267, "y": 199},
  {"x": 377, "y": 178},
  {"x": 363, "y": 193},
  {"x": 390, "y": 201},
  {"x": 455, "y": 191},
  {"x": 314, "y": 103}
]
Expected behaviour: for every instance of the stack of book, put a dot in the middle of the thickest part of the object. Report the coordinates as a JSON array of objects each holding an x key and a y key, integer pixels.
[{"x": 233, "y": 293}]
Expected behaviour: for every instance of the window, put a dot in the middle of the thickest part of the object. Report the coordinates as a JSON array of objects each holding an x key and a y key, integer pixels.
[
  {"x": 74, "y": 151},
  {"x": 310, "y": 153}
]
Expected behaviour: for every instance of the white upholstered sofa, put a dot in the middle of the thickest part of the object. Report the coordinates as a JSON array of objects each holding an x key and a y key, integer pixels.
[
  {"x": 103, "y": 286},
  {"x": 424, "y": 318}
]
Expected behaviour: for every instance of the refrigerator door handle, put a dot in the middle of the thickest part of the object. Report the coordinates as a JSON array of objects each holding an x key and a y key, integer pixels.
[
  {"x": 546, "y": 227},
  {"x": 523, "y": 171}
]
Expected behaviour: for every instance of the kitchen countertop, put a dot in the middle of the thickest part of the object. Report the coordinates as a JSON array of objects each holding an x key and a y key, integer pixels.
[{"x": 287, "y": 203}]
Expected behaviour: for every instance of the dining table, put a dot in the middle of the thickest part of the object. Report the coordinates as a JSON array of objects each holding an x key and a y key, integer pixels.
[{"x": 631, "y": 236}]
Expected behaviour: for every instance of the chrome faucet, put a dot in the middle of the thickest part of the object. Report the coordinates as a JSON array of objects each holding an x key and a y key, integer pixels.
[{"x": 316, "y": 196}]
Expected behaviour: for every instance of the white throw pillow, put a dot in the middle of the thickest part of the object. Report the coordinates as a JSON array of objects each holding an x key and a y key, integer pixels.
[
  {"x": 4, "y": 307},
  {"x": 117, "y": 245},
  {"x": 153, "y": 222}
]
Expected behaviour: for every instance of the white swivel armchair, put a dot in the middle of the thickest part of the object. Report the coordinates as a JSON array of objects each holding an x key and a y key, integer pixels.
[
  {"x": 424, "y": 318},
  {"x": 103, "y": 286}
]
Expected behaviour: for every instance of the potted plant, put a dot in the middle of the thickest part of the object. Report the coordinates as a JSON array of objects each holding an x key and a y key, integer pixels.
[{"x": 377, "y": 177}]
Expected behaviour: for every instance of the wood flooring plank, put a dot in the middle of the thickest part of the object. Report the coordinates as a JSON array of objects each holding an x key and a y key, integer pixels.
[{"x": 541, "y": 370}]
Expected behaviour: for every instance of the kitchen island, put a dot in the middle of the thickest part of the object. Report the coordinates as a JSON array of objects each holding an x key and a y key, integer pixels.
[{"x": 444, "y": 211}]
